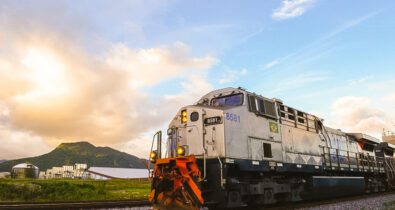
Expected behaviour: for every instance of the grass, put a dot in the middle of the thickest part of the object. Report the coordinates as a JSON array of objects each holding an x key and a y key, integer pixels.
[
  {"x": 389, "y": 205},
  {"x": 72, "y": 190}
]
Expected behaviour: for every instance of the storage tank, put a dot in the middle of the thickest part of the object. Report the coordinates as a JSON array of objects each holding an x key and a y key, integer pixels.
[{"x": 24, "y": 170}]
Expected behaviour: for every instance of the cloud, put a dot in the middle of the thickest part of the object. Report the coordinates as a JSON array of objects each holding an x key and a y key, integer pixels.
[
  {"x": 292, "y": 8},
  {"x": 297, "y": 81},
  {"x": 73, "y": 96},
  {"x": 232, "y": 75},
  {"x": 251, "y": 35},
  {"x": 356, "y": 114},
  {"x": 271, "y": 64},
  {"x": 21, "y": 144},
  {"x": 389, "y": 98},
  {"x": 165, "y": 110},
  {"x": 17, "y": 144},
  {"x": 358, "y": 81},
  {"x": 243, "y": 72},
  {"x": 150, "y": 66},
  {"x": 54, "y": 89},
  {"x": 210, "y": 27},
  {"x": 189, "y": 95},
  {"x": 318, "y": 48},
  {"x": 351, "y": 23},
  {"x": 138, "y": 146}
]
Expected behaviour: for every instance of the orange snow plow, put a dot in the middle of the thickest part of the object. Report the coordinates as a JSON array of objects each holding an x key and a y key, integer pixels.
[{"x": 175, "y": 182}]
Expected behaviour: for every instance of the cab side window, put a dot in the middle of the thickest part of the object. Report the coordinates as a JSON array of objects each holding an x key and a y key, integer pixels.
[
  {"x": 262, "y": 107},
  {"x": 252, "y": 104}
]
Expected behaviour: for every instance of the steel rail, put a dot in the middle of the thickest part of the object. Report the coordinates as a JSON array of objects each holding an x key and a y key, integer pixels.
[{"x": 74, "y": 205}]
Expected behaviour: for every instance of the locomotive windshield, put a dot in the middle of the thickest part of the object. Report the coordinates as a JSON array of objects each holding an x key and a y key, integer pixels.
[{"x": 229, "y": 100}]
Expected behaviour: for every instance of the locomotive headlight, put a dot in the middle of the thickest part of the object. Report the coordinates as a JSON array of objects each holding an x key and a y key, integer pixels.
[
  {"x": 153, "y": 156},
  {"x": 181, "y": 151},
  {"x": 184, "y": 116}
]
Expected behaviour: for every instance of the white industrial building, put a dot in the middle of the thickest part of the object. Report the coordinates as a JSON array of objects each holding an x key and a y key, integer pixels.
[
  {"x": 77, "y": 170},
  {"x": 80, "y": 171},
  {"x": 48, "y": 174},
  {"x": 117, "y": 173},
  {"x": 57, "y": 172},
  {"x": 68, "y": 172},
  {"x": 41, "y": 175}
]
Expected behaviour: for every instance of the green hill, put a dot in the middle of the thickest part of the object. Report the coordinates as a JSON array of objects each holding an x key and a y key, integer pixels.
[{"x": 79, "y": 152}]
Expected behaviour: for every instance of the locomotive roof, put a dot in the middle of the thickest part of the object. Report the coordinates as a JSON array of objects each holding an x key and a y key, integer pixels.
[
  {"x": 230, "y": 90},
  {"x": 335, "y": 131},
  {"x": 365, "y": 137},
  {"x": 215, "y": 93}
]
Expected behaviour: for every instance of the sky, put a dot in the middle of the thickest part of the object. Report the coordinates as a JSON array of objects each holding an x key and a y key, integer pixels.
[{"x": 114, "y": 72}]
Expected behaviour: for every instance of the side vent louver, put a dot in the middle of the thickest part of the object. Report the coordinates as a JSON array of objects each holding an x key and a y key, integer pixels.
[{"x": 269, "y": 108}]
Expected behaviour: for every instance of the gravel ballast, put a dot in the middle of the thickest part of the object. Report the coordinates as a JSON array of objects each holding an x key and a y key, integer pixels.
[{"x": 365, "y": 203}]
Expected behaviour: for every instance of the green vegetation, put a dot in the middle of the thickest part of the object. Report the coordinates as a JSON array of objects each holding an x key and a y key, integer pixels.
[
  {"x": 72, "y": 190},
  {"x": 389, "y": 205},
  {"x": 80, "y": 152}
]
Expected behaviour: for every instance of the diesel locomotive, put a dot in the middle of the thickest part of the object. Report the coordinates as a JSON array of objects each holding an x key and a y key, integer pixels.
[{"x": 235, "y": 148}]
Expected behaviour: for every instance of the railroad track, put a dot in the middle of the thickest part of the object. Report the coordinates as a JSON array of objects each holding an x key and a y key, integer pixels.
[
  {"x": 74, "y": 205},
  {"x": 321, "y": 203}
]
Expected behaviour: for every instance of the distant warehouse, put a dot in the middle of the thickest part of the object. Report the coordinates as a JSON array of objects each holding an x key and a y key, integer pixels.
[{"x": 118, "y": 173}]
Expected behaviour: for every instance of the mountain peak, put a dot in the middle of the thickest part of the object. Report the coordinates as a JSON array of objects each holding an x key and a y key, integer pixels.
[
  {"x": 83, "y": 144},
  {"x": 79, "y": 152}
]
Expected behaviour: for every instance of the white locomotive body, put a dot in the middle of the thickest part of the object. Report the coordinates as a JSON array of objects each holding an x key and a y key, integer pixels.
[{"x": 253, "y": 150}]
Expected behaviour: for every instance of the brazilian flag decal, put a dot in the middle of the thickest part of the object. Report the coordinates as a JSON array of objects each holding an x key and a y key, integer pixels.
[{"x": 273, "y": 127}]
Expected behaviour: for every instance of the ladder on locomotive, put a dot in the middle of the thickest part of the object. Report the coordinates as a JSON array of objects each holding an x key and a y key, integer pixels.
[{"x": 390, "y": 167}]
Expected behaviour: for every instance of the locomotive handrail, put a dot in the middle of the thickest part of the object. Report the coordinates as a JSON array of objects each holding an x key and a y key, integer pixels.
[
  {"x": 348, "y": 160},
  {"x": 323, "y": 128},
  {"x": 367, "y": 162},
  {"x": 330, "y": 157},
  {"x": 220, "y": 164},
  {"x": 159, "y": 144},
  {"x": 204, "y": 165},
  {"x": 204, "y": 146},
  {"x": 152, "y": 145},
  {"x": 389, "y": 166}
]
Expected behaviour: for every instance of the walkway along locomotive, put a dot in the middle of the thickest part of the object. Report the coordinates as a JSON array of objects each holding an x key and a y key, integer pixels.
[{"x": 235, "y": 148}]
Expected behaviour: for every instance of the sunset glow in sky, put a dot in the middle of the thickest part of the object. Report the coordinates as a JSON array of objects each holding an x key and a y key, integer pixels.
[{"x": 114, "y": 72}]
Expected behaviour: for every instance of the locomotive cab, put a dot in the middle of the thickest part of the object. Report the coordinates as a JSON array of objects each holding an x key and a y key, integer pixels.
[
  {"x": 195, "y": 139},
  {"x": 198, "y": 130}
]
